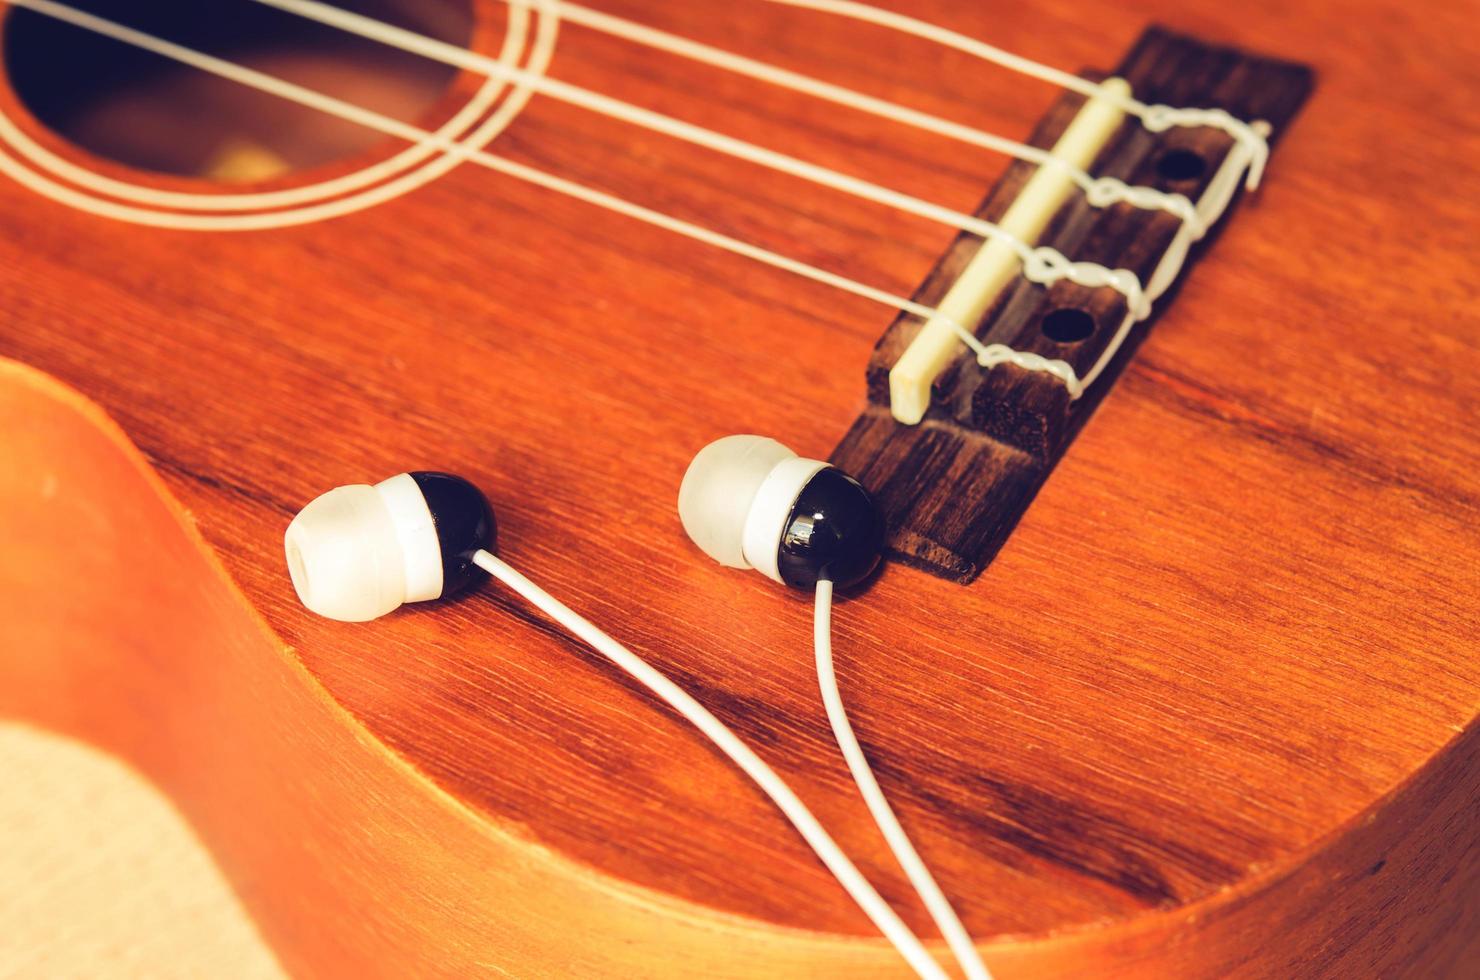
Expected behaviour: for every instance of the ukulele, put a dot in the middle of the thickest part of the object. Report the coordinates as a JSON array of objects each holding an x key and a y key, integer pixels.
[{"x": 1172, "y": 670}]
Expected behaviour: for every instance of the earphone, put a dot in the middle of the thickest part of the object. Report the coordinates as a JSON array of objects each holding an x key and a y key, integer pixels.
[
  {"x": 749, "y": 502},
  {"x": 359, "y": 552}
]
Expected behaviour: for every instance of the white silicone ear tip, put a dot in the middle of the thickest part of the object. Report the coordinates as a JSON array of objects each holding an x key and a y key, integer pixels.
[
  {"x": 722, "y": 481},
  {"x": 344, "y": 556}
]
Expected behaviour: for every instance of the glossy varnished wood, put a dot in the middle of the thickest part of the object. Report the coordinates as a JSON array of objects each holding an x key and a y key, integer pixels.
[{"x": 1212, "y": 707}]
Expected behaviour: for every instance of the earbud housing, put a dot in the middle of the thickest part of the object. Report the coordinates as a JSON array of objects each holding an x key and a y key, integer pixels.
[
  {"x": 833, "y": 531},
  {"x": 749, "y": 502},
  {"x": 359, "y": 552}
]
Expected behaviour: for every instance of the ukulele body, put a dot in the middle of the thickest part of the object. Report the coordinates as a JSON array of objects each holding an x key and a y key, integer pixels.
[{"x": 1209, "y": 711}]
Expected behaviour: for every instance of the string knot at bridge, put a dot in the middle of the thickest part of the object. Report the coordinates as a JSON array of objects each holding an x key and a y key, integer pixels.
[
  {"x": 1105, "y": 191},
  {"x": 1252, "y": 143},
  {"x": 1044, "y": 265},
  {"x": 992, "y": 355}
]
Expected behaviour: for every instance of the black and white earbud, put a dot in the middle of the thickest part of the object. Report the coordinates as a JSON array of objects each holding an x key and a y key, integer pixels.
[
  {"x": 749, "y": 502},
  {"x": 359, "y": 552}
]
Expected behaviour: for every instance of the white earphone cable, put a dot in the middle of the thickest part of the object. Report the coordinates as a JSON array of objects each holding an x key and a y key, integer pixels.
[
  {"x": 899, "y": 842},
  {"x": 729, "y": 743}
]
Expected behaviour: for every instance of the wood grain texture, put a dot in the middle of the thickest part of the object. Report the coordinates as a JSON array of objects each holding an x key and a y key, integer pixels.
[
  {"x": 358, "y": 865},
  {"x": 952, "y": 489},
  {"x": 1224, "y": 666}
]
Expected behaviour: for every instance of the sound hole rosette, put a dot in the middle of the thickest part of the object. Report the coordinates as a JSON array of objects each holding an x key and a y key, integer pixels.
[{"x": 526, "y": 47}]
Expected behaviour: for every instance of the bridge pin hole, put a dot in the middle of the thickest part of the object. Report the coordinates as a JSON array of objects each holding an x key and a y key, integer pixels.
[
  {"x": 1068, "y": 326},
  {"x": 1177, "y": 166}
]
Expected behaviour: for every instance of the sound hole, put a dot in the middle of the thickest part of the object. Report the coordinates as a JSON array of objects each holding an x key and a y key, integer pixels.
[
  {"x": 1068, "y": 326},
  {"x": 151, "y": 113},
  {"x": 1179, "y": 165}
]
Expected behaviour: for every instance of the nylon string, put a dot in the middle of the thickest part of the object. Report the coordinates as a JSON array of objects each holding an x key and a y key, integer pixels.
[{"x": 1041, "y": 265}]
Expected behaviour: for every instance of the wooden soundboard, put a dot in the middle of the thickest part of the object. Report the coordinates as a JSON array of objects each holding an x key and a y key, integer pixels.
[{"x": 1209, "y": 711}]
